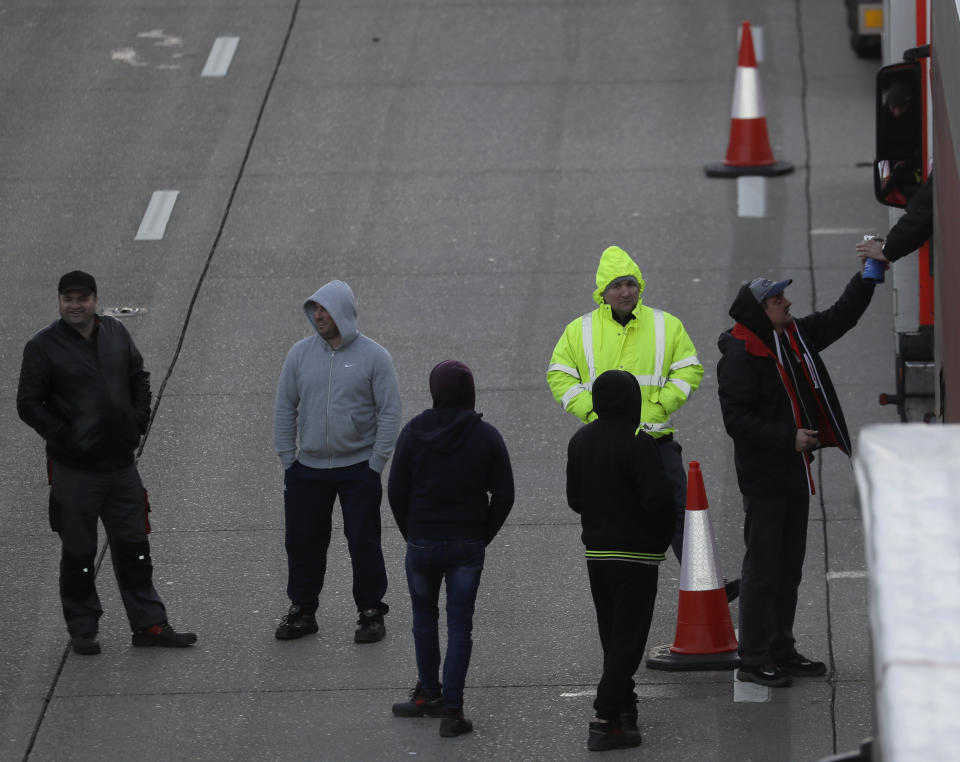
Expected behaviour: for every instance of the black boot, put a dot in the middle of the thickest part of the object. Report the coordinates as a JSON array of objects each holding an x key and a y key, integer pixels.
[
  {"x": 420, "y": 704},
  {"x": 298, "y": 622},
  {"x": 370, "y": 627},
  {"x": 454, "y": 723},
  {"x": 611, "y": 735}
]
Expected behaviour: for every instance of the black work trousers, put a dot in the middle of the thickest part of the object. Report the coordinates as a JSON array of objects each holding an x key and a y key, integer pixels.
[
  {"x": 624, "y": 594},
  {"x": 116, "y": 497},
  {"x": 775, "y": 533}
]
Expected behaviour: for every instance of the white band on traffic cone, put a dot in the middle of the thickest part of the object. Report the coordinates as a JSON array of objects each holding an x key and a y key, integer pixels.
[
  {"x": 747, "y": 98},
  {"x": 700, "y": 569}
]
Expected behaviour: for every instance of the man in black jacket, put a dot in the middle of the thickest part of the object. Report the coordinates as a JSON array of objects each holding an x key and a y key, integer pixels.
[
  {"x": 779, "y": 405},
  {"x": 84, "y": 390},
  {"x": 616, "y": 482}
]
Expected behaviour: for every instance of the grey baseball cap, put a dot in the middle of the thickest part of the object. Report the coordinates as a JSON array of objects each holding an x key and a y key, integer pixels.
[{"x": 764, "y": 288}]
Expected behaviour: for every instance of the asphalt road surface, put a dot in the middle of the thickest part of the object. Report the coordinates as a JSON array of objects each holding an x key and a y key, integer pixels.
[{"x": 461, "y": 165}]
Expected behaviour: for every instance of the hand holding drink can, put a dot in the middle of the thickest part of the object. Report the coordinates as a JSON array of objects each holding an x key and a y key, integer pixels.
[{"x": 873, "y": 269}]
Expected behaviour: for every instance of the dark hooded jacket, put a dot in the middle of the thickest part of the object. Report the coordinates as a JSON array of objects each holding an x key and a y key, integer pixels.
[
  {"x": 90, "y": 400},
  {"x": 450, "y": 478},
  {"x": 615, "y": 479},
  {"x": 762, "y": 410}
]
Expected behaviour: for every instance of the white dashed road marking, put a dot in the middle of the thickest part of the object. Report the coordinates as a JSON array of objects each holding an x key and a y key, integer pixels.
[
  {"x": 751, "y": 196},
  {"x": 221, "y": 54},
  {"x": 154, "y": 222}
]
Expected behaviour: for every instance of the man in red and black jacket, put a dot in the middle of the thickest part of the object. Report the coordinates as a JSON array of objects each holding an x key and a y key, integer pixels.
[
  {"x": 83, "y": 389},
  {"x": 779, "y": 405}
]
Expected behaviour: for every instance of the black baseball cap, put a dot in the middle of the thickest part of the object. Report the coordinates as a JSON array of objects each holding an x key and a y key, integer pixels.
[{"x": 77, "y": 280}]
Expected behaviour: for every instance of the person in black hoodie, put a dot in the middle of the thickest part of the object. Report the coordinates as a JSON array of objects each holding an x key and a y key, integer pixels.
[
  {"x": 450, "y": 489},
  {"x": 779, "y": 405},
  {"x": 616, "y": 482}
]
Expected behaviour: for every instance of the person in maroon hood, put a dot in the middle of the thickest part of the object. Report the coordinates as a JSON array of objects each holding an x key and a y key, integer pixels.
[
  {"x": 779, "y": 405},
  {"x": 450, "y": 490}
]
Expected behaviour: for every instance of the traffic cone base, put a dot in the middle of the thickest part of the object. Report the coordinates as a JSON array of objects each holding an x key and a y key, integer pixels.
[
  {"x": 720, "y": 169},
  {"x": 662, "y": 658}
]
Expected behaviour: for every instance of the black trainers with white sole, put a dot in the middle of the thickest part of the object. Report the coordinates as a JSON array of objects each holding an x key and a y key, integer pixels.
[
  {"x": 799, "y": 665},
  {"x": 763, "y": 674}
]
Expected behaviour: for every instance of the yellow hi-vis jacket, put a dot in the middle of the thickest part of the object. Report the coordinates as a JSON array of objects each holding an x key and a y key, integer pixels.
[{"x": 653, "y": 346}]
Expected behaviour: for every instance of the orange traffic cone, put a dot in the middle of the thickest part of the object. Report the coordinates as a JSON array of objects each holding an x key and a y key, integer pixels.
[
  {"x": 748, "y": 152},
  {"x": 704, "y": 637}
]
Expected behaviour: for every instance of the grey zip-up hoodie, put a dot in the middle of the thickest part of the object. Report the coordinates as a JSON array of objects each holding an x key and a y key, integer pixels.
[{"x": 342, "y": 406}]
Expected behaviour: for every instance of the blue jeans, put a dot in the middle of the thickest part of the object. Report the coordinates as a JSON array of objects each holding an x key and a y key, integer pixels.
[{"x": 428, "y": 563}]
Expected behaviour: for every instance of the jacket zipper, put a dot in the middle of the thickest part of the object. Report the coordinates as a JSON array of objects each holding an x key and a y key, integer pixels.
[{"x": 326, "y": 421}]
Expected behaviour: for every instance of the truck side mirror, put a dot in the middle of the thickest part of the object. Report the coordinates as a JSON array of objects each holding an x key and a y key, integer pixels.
[{"x": 898, "y": 168}]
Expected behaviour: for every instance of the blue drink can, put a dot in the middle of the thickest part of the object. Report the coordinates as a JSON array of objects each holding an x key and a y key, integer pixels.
[{"x": 873, "y": 269}]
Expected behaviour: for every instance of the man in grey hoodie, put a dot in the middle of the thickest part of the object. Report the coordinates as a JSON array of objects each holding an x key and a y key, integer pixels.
[{"x": 338, "y": 399}]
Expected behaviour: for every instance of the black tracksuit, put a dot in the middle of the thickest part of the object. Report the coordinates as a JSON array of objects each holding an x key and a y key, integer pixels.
[
  {"x": 764, "y": 401},
  {"x": 90, "y": 401},
  {"x": 615, "y": 481}
]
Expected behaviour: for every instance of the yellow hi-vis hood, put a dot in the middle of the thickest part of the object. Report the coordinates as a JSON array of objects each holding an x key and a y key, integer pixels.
[{"x": 615, "y": 263}]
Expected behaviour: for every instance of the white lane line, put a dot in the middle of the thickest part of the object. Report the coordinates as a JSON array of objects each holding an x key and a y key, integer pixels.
[
  {"x": 847, "y": 575},
  {"x": 154, "y": 222},
  {"x": 749, "y": 693},
  {"x": 221, "y": 54},
  {"x": 578, "y": 694},
  {"x": 751, "y": 196}
]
